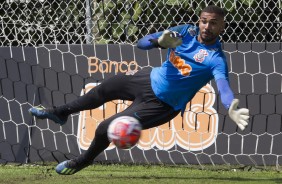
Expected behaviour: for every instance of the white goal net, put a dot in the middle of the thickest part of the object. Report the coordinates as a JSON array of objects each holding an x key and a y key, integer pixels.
[{"x": 51, "y": 52}]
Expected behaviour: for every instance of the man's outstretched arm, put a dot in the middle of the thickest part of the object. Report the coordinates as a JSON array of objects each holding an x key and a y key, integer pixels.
[
  {"x": 146, "y": 43},
  {"x": 164, "y": 40},
  {"x": 239, "y": 115}
]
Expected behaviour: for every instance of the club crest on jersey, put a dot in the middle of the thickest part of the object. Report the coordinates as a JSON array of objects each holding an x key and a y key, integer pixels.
[{"x": 200, "y": 56}]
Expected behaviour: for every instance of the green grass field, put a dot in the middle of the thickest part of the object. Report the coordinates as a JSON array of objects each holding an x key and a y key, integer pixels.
[{"x": 135, "y": 174}]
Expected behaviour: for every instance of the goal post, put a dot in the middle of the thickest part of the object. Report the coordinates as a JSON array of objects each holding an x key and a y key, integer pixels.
[{"x": 50, "y": 54}]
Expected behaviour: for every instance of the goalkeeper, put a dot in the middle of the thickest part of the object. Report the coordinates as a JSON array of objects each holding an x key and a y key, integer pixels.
[{"x": 194, "y": 57}]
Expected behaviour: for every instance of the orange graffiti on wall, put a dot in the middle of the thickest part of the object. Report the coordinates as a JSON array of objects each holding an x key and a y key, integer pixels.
[{"x": 196, "y": 130}]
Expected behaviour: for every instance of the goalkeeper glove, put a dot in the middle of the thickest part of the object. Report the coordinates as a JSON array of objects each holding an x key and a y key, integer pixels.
[
  {"x": 239, "y": 116},
  {"x": 170, "y": 39}
]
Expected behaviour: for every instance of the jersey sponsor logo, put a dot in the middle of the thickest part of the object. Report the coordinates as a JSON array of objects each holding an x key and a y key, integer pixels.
[
  {"x": 200, "y": 56},
  {"x": 192, "y": 31},
  {"x": 179, "y": 63},
  {"x": 195, "y": 131}
]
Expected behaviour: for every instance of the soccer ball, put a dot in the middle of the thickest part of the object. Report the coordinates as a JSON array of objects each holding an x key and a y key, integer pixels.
[{"x": 124, "y": 132}]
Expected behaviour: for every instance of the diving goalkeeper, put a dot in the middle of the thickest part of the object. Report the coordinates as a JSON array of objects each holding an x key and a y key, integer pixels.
[{"x": 194, "y": 57}]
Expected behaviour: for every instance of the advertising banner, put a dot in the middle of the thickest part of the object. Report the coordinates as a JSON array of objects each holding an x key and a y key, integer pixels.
[{"x": 57, "y": 74}]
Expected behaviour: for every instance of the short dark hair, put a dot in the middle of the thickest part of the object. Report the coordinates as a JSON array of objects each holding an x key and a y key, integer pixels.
[{"x": 213, "y": 9}]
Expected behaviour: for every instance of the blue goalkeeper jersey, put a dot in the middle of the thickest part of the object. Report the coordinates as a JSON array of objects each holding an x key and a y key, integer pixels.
[{"x": 187, "y": 68}]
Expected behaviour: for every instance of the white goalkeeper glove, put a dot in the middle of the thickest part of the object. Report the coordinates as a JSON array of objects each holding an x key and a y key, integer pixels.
[
  {"x": 239, "y": 116},
  {"x": 170, "y": 39}
]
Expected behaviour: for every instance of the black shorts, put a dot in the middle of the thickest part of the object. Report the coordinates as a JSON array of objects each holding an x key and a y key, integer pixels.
[{"x": 146, "y": 107}]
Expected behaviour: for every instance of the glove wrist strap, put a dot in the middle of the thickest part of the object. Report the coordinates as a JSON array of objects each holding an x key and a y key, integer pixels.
[{"x": 155, "y": 43}]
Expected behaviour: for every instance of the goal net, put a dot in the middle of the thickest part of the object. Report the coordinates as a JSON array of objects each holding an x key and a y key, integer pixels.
[{"x": 52, "y": 52}]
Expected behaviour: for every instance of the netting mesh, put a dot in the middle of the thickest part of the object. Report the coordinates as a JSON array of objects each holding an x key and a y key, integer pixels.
[
  {"x": 33, "y": 22},
  {"x": 47, "y": 74},
  {"x": 55, "y": 75}
]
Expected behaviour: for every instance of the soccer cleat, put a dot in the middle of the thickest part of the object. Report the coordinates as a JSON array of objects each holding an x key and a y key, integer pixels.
[
  {"x": 64, "y": 167},
  {"x": 42, "y": 113}
]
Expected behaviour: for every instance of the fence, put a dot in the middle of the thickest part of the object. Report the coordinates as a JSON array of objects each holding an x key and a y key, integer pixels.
[{"x": 52, "y": 52}]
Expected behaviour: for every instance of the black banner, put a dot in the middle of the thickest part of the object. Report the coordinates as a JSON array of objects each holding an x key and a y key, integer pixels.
[{"x": 53, "y": 75}]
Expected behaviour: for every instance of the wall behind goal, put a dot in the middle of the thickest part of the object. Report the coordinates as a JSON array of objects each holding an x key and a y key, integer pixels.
[{"x": 56, "y": 74}]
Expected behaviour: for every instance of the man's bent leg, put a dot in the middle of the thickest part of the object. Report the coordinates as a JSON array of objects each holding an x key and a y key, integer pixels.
[
  {"x": 113, "y": 88},
  {"x": 98, "y": 145}
]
